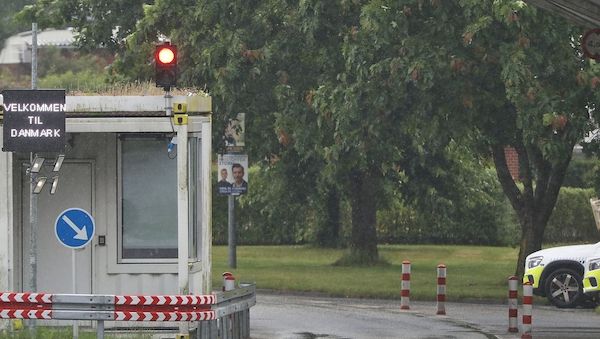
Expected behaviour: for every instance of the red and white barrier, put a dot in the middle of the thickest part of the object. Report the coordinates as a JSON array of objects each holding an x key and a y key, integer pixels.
[
  {"x": 513, "y": 304},
  {"x": 441, "y": 289},
  {"x": 32, "y": 298},
  {"x": 25, "y": 305},
  {"x": 126, "y": 307},
  {"x": 527, "y": 310},
  {"x": 405, "y": 288},
  {"x": 164, "y": 316},
  {"x": 160, "y": 300},
  {"x": 25, "y": 314}
]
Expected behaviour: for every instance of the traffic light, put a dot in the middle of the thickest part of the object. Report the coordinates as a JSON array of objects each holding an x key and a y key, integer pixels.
[{"x": 165, "y": 61}]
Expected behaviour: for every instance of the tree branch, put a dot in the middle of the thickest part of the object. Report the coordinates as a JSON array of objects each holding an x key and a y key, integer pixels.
[{"x": 508, "y": 184}]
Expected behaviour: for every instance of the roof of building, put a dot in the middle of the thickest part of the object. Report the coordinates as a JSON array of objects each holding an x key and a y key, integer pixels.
[
  {"x": 585, "y": 13},
  {"x": 17, "y": 48}
]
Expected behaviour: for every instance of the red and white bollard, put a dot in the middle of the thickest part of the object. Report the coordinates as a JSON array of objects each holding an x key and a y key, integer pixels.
[
  {"x": 405, "y": 291},
  {"x": 441, "y": 289},
  {"x": 513, "y": 304},
  {"x": 228, "y": 281},
  {"x": 527, "y": 310}
]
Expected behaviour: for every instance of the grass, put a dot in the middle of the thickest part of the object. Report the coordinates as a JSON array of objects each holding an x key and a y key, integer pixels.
[
  {"x": 473, "y": 272},
  {"x": 64, "y": 332}
]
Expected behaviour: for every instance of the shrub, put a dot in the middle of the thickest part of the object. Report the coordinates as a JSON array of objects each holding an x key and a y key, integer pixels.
[
  {"x": 477, "y": 214},
  {"x": 572, "y": 219},
  {"x": 581, "y": 172}
]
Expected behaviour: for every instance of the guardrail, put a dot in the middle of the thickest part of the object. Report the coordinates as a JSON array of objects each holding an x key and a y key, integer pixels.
[{"x": 222, "y": 315}]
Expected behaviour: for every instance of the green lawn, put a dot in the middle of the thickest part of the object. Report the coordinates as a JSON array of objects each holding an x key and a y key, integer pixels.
[{"x": 473, "y": 272}]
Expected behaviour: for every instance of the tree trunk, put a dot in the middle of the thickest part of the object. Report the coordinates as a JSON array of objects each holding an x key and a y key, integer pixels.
[
  {"x": 535, "y": 202},
  {"x": 363, "y": 238},
  {"x": 531, "y": 240}
]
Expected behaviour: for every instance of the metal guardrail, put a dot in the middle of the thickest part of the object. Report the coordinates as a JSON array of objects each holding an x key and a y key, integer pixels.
[
  {"x": 232, "y": 312},
  {"x": 221, "y": 315}
]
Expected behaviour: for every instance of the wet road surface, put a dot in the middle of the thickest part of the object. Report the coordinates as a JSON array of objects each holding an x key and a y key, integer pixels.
[{"x": 306, "y": 317}]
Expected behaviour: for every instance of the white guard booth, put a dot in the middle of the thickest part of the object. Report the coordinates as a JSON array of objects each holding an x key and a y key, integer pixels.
[{"x": 150, "y": 199}]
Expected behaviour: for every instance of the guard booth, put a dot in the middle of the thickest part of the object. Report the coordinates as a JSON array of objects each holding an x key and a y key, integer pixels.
[{"x": 143, "y": 176}]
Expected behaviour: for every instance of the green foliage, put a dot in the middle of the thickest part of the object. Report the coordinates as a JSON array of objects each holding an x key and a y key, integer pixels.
[
  {"x": 476, "y": 213},
  {"x": 8, "y": 25},
  {"x": 272, "y": 212},
  {"x": 99, "y": 23},
  {"x": 81, "y": 81},
  {"x": 581, "y": 172},
  {"x": 572, "y": 219}
]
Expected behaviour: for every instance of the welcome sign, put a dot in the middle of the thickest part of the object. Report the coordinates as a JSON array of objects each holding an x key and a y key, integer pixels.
[{"x": 34, "y": 120}]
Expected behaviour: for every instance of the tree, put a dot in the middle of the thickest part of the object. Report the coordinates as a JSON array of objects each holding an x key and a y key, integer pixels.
[
  {"x": 498, "y": 71},
  {"x": 8, "y": 25},
  {"x": 99, "y": 23}
]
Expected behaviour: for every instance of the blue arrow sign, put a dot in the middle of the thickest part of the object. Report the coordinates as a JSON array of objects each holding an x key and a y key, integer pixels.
[{"x": 74, "y": 228}]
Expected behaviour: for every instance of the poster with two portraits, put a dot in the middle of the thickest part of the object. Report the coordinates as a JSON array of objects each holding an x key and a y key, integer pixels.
[{"x": 232, "y": 176}]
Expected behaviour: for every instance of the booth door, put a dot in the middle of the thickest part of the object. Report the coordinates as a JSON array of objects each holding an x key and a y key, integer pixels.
[{"x": 54, "y": 260}]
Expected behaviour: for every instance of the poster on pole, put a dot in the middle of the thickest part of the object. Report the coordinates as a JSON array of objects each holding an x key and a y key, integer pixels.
[
  {"x": 233, "y": 174},
  {"x": 235, "y": 134}
]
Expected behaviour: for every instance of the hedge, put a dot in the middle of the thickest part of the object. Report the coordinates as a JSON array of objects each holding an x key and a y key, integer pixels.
[{"x": 572, "y": 219}]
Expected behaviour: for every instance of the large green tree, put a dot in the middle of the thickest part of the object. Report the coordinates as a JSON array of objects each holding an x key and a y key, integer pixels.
[{"x": 499, "y": 71}]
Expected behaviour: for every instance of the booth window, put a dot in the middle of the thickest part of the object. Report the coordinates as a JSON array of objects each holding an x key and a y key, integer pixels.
[{"x": 148, "y": 198}]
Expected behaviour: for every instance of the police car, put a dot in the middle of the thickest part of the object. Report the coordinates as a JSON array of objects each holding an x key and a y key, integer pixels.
[
  {"x": 557, "y": 273},
  {"x": 591, "y": 278}
]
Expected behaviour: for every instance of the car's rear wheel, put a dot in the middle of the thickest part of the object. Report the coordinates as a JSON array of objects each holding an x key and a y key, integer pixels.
[{"x": 564, "y": 288}]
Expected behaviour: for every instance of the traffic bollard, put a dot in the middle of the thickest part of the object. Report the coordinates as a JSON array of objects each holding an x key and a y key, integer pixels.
[
  {"x": 527, "y": 310},
  {"x": 441, "y": 289},
  {"x": 513, "y": 294},
  {"x": 405, "y": 291},
  {"x": 228, "y": 281}
]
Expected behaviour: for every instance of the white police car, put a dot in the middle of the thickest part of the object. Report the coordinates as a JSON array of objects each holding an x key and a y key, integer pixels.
[{"x": 557, "y": 273}]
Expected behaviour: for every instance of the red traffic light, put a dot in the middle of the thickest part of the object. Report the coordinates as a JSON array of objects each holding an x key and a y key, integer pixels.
[
  {"x": 165, "y": 58},
  {"x": 166, "y": 54}
]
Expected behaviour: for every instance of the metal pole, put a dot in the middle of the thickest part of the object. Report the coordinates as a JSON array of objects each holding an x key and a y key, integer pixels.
[
  {"x": 32, "y": 237},
  {"x": 33, "y": 197},
  {"x": 168, "y": 103},
  {"x": 34, "y": 48},
  {"x": 74, "y": 276},
  {"x": 100, "y": 330},
  {"x": 182, "y": 216},
  {"x": 231, "y": 231}
]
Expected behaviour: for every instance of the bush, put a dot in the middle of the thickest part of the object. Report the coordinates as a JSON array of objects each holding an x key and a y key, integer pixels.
[
  {"x": 478, "y": 214},
  {"x": 572, "y": 219},
  {"x": 581, "y": 172}
]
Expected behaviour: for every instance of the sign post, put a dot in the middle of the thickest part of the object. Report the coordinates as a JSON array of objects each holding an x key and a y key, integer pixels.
[
  {"x": 232, "y": 166},
  {"x": 74, "y": 228}
]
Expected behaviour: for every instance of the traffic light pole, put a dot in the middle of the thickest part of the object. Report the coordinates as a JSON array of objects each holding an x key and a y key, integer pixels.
[{"x": 168, "y": 102}]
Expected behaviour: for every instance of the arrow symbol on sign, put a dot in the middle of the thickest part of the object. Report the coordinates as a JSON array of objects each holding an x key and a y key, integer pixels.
[{"x": 80, "y": 234}]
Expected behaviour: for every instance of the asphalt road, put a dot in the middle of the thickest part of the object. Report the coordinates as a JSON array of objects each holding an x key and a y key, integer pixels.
[{"x": 300, "y": 317}]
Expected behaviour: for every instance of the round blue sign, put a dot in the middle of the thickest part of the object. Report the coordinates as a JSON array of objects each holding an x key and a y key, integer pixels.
[{"x": 74, "y": 228}]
